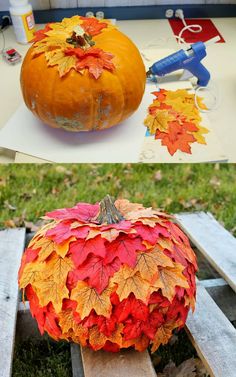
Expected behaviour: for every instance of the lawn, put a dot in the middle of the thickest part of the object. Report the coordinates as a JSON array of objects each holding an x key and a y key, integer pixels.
[{"x": 28, "y": 191}]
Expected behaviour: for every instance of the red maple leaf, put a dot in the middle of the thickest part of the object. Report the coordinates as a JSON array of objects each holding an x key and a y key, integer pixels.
[
  {"x": 153, "y": 110},
  {"x": 40, "y": 34},
  {"x": 135, "y": 327},
  {"x": 97, "y": 272},
  {"x": 62, "y": 231},
  {"x": 177, "y": 311},
  {"x": 122, "y": 225},
  {"x": 92, "y": 26},
  {"x": 125, "y": 249},
  {"x": 37, "y": 311},
  {"x": 93, "y": 58},
  {"x": 176, "y": 138},
  {"x": 131, "y": 306},
  {"x": 83, "y": 212},
  {"x": 160, "y": 95},
  {"x": 158, "y": 298},
  {"x": 80, "y": 249},
  {"x": 151, "y": 234}
]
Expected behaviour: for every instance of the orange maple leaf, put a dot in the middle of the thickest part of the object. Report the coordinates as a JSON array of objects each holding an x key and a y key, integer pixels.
[
  {"x": 87, "y": 299},
  {"x": 177, "y": 137},
  {"x": 163, "y": 334},
  {"x": 168, "y": 278},
  {"x": 92, "y": 25},
  {"x": 97, "y": 339},
  {"x": 95, "y": 59},
  {"x": 147, "y": 263},
  {"x": 41, "y": 34},
  {"x": 128, "y": 281}
]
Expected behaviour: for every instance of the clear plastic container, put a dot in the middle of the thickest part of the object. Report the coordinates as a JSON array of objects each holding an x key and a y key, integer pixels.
[{"x": 23, "y": 20}]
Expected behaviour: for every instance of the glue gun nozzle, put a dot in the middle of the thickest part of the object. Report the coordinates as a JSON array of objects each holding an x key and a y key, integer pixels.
[{"x": 149, "y": 73}]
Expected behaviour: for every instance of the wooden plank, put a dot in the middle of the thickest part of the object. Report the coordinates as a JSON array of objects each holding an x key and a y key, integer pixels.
[
  {"x": 126, "y": 363},
  {"x": 213, "y": 336},
  {"x": 223, "y": 295},
  {"x": 76, "y": 360},
  {"x": 11, "y": 247},
  {"x": 213, "y": 241}
]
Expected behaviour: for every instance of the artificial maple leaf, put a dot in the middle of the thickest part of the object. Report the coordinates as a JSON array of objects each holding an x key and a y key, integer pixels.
[
  {"x": 128, "y": 282},
  {"x": 57, "y": 268},
  {"x": 161, "y": 94},
  {"x": 63, "y": 231},
  {"x": 176, "y": 138},
  {"x": 51, "y": 291},
  {"x": 97, "y": 339},
  {"x": 124, "y": 206},
  {"x": 40, "y": 34},
  {"x": 31, "y": 274},
  {"x": 80, "y": 249},
  {"x": 147, "y": 263},
  {"x": 94, "y": 59},
  {"x": 63, "y": 30},
  {"x": 163, "y": 334},
  {"x": 131, "y": 306},
  {"x": 45, "y": 247},
  {"x": 199, "y": 135},
  {"x": 88, "y": 299},
  {"x": 48, "y": 44},
  {"x": 52, "y": 288},
  {"x": 58, "y": 57},
  {"x": 125, "y": 249},
  {"x": 151, "y": 234},
  {"x": 159, "y": 121},
  {"x": 82, "y": 211},
  {"x": 168, "y": 278},
  {"x": 140, "y": 344},
  {"x": 92, "y": 25},
  {"x": 96, "y": 270}
]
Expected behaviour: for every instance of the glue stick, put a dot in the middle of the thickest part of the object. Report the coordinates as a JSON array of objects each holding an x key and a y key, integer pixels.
[{"x": 23, "y": 20}]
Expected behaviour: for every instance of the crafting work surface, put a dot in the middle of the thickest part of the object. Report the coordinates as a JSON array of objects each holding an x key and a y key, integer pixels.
[{"x": 221, "y": 61}]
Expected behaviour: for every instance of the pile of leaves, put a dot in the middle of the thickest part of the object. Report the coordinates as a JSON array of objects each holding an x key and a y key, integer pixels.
[
  {"x": 109, "y": 286},
  {"x": 55, "y": 42},
  {"x": 175, "y": 120}
]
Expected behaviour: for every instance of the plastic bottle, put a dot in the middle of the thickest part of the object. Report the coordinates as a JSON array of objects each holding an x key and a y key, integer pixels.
[{"x": 23, "y": 20}]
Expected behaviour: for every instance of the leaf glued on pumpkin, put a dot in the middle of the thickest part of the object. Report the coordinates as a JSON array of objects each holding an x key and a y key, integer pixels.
[
  {"x": 55, "y": 42},
  {"x": 109, "y": 286},
  {"x": 175, "y": 120}
]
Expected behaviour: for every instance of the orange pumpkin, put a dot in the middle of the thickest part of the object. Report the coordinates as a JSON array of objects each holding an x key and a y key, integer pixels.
[{"x": 82, "y": 74}]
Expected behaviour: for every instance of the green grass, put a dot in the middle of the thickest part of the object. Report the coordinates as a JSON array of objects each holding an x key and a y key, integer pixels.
[
  {"x": 42, "y": 359},
  {"x": 35, "y": 189}
]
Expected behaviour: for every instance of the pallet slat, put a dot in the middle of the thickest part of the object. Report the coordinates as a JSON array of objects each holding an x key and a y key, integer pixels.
[
  {"x": 213, "y": 241},
  {"x": 126, "y": 363},
  {"x": 213, "y": 336},
  {"x": 76, "y": 360},
  {"x": 12, "y": 243}
]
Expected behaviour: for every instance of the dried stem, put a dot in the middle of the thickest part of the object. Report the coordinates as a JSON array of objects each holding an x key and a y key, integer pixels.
[{"x": 108, "y": 214}]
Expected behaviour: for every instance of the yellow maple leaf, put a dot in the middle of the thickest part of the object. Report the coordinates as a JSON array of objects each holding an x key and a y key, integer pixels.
[
  {"x": 124, "y": 206},
  {"x": 87, "y": 299},
  {"x": 66, "y": 320},
  {"x": 52, "y": 291},
  {"x": 65, "y": 63},
  {"x": 62, "y": 248},
  {"x": 31, "y": 274},
  {"x": 49, "y": 44},
  {"x": 168, "y": 278},
  {"x": 147, "y": 263},
  {"x": 199, "y": 134},
  {"x": 159, "y": 121},
  {"x": 97, "y": 339},
  {"x": 63, "y": 30},
  {"x": 163, "y": 334},
  {"x": 57, "y": 268},
  {"x": 129, "y": 282}
]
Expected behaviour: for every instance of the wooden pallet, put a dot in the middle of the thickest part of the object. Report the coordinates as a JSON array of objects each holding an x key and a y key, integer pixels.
[{"x": 209, "y": 328}]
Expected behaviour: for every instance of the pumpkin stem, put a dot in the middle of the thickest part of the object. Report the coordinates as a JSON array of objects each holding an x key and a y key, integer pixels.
[
  {"x": 80, "y": 39},
  {"x": 108, "y": 214}
]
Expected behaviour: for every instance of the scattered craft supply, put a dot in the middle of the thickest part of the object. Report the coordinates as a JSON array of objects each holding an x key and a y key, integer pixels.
[
  {"x": 78, "y": 75},
  {"x": 109, "y": 276},
  {"x": 174, "y": 119}
]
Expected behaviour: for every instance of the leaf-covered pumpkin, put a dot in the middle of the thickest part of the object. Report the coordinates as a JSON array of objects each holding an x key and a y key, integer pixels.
[
  {"x": 109, "y": 276},
  {"x": 82, "y": 74}
]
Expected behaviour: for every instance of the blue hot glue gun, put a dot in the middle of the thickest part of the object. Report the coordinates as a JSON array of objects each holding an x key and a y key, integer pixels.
[{"x": 189, "y": 60}]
